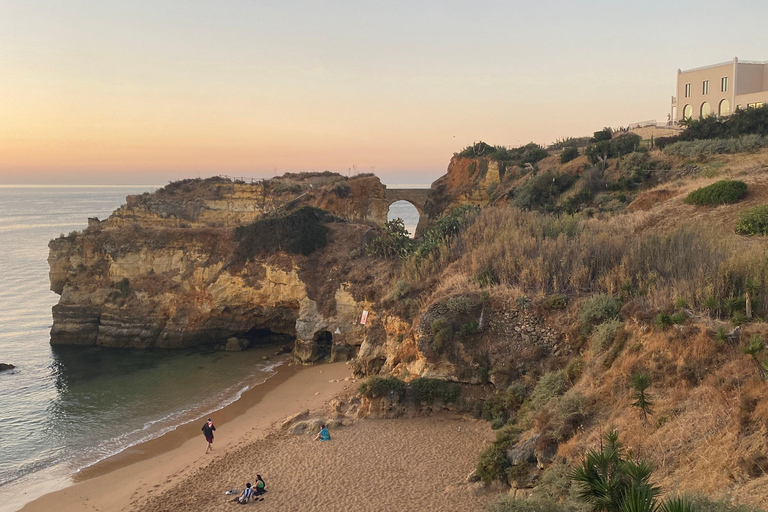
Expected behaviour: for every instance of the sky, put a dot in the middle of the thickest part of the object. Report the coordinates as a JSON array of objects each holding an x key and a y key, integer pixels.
[{"x": 144, "y": 92}]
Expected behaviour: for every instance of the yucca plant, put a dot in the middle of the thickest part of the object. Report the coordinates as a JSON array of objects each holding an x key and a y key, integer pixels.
[
  {"x": 610, "y": 483},
  {"x": 754, "y": 349},
  {"x": 750, "y": 290},
  {"x": 721, "y": 335},
  {"x": 640, "y": 382},
  {"x": 712, "y": 305}
]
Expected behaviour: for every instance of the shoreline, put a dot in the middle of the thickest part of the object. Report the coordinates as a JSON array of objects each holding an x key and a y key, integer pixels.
[{"x": 121, "y": 481}]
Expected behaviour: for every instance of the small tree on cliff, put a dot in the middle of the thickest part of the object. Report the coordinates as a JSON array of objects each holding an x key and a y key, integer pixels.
[{"x": 640, "y": 382}]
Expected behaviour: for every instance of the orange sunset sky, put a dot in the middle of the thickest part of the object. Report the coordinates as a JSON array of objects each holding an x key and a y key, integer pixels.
[{"x": 144, "y": 92}]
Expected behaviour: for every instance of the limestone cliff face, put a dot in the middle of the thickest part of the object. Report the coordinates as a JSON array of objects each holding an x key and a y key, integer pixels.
[
  {"x": 163, "y": 270},
  {"x": 468, "y": 181}
]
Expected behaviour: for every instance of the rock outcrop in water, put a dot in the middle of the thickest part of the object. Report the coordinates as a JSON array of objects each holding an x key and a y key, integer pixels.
[
  {"x": 6, "y": 366},
  {"x": 164, "y": 270}
]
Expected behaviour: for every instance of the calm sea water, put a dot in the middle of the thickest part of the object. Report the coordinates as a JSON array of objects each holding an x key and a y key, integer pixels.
[
  {"x": 64, "y": 408},
  {"x": 406, "y": 211}
]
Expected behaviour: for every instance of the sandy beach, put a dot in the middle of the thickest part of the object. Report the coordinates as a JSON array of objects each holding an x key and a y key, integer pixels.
[{"x": 370, "y": 465}]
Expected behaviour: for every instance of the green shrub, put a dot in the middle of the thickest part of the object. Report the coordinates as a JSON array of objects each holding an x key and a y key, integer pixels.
[
  {"x": 568, "y": 154},
  {"x": 721, "y": 335},
  {"x": 738, "y": 318},
  {"x": 460, "y": 304},
  {"x": 603, "y": 335},
  {"x": 447, "y": 226},
  {"x": 663, "y": 321},
  {"x": 567, "y": 413},
  {"x": 599, "y": 308},
  {"x": 700, "y": 148},
  {"x": 556, "y": 301},
  {"x": 574, "y": 369},
  {"x": 550, "y": 385},
  {"x": 376, "y": 387},
  {"x": 678, "y": 318},
  {"x": 342, "y": 188},
  {"x": 754, "y": 221},
  {"x": 541, "y": 191},
  {"x": 298, "y": 232},
  {"x": 394, "y": 243},
  {"x": 492, "y": 188},
  {"x": 502, "y": 405},
  {"x": 422, "y": 390},
  {"x": 720, "y": 192},
  {"x": 492, "y": 464},
  {"x": 442, "y": 334}
]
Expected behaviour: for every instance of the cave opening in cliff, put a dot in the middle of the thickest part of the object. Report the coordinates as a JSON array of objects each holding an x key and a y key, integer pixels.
[
  {"x": 407, "y": 212},
  {"x": 262, "y": 336},
  {"x": 323, "y": 340}
]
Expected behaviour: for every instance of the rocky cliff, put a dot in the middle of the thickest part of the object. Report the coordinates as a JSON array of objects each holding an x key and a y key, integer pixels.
[
  {"x": 168, "y": 270},
  {"x": 164, "y": 270}
]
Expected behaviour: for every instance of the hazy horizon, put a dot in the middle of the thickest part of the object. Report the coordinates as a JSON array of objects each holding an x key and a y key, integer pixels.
[{"x": 148, "y": 92}]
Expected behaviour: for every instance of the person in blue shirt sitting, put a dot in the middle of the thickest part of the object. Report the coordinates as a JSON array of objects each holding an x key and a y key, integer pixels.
[{"x": 323, "y": 435}]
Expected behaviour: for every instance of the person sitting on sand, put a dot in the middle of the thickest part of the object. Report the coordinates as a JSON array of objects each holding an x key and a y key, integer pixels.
[
  {"x": 323, "y": 435},
  {"x": 260, "y": 487},
  {"x": 245, "y": 496}
]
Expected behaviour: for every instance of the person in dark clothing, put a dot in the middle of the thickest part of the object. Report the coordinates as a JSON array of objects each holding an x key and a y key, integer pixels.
[{"x": 208, "y": 429}]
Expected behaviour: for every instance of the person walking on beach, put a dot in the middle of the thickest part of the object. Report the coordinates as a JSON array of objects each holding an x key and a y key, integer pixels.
[{"x": 208, "y": 429}]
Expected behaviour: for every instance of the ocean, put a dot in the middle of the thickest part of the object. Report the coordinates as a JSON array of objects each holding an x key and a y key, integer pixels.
[{"x": 65, "y": 408}]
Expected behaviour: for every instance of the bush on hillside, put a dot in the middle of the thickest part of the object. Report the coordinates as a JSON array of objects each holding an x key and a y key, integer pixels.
[
  {"x": 299, "y": 232},
  {"x": 754, "y": 221},
  {"x": 699, "y": 148},
  {"x": 447, "y": 226},
  {"x": 602, "y": 135},
  {"x": 604, "y": 334},
  {"x": 504, "y": 404},
  {"x": 549, "y": 386},
  {"x": 599, "y": 308},
  {"x": 541, "y": 191},
  {"x": 721, "y": 192},
  {"x": 622, "y": 145},
  {"x": 394, "y": 243},
  {"x": 377, "y": 387},
  {"x": 422, "y": 390},
  {"x": 528, "y": 154},
  {"x": 568, "y": 154}
]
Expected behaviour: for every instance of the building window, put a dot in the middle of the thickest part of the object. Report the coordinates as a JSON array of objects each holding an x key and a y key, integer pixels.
[
  {"x": 724, "y": 109},
  {"x": 705, "y": 109},
  {"x": 687, "y": 112},
  {"x": 687, "y": 90},
  {"x": 724, "y": 84},
  {"x": 705, "y": 87}
]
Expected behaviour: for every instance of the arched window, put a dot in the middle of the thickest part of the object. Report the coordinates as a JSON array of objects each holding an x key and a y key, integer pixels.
[
  {"x": 724, "y": 109},
  {"x": 687, "y": 112},
  {"x": 705, "y": 109}
]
